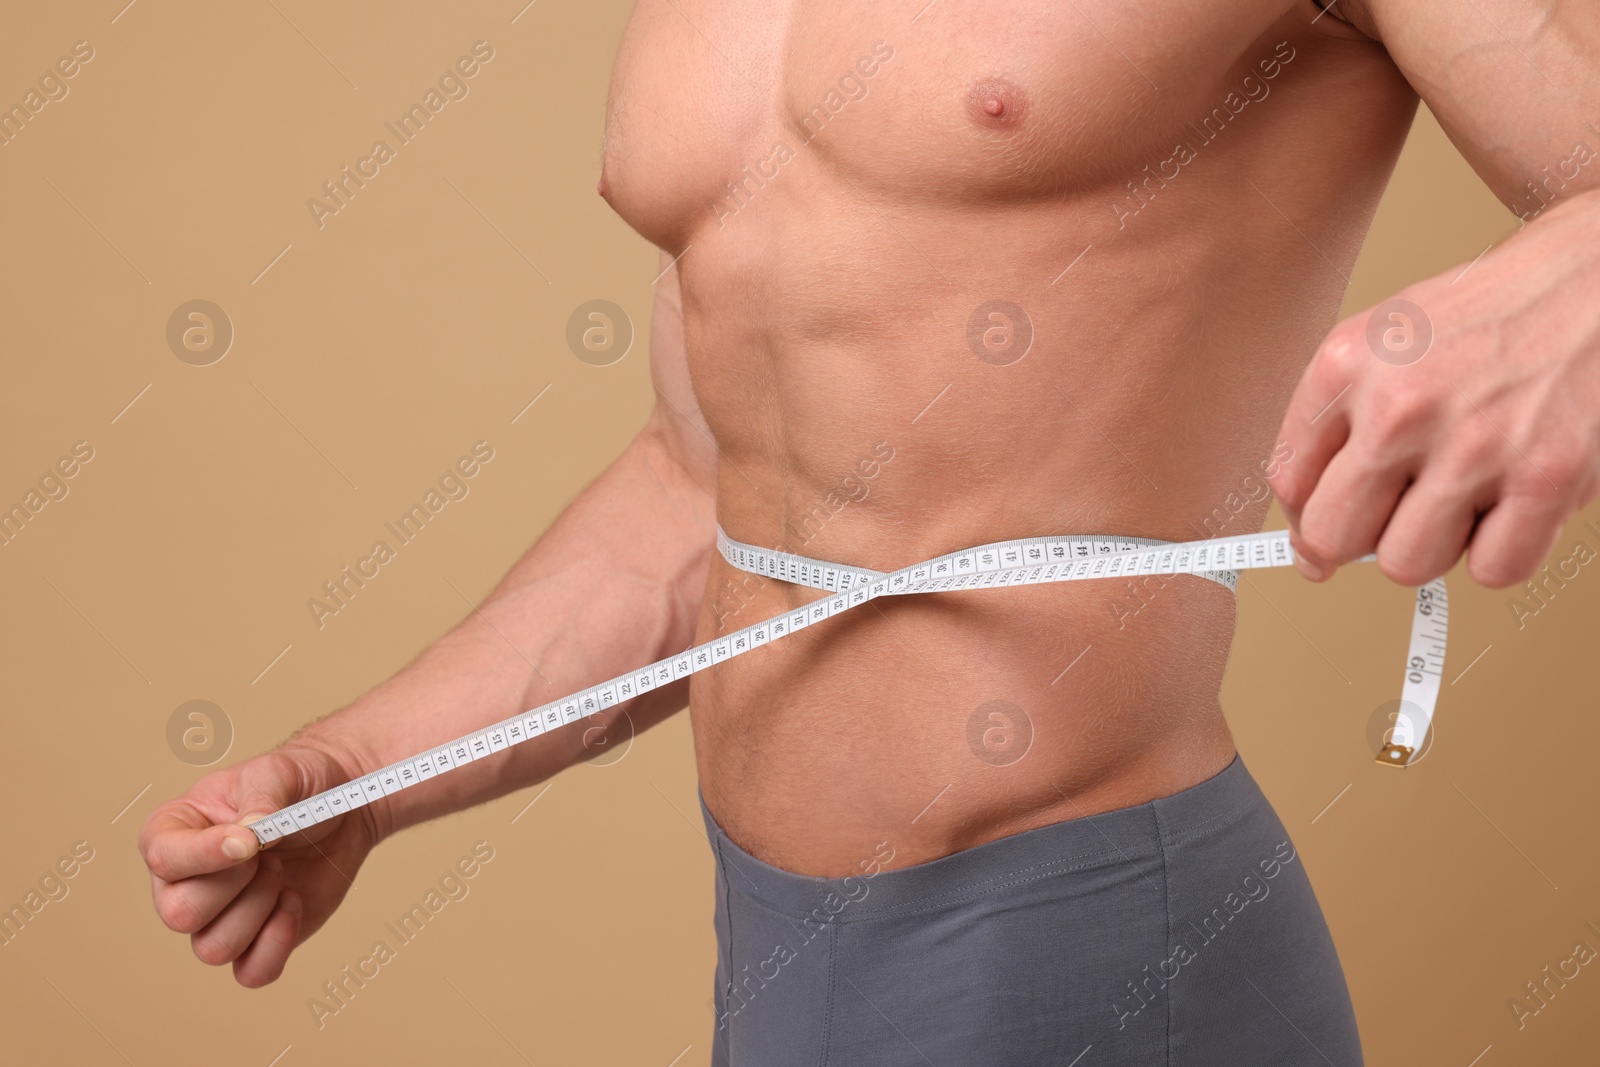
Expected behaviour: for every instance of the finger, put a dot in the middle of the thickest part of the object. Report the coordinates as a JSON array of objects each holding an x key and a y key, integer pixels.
[
  {"x": 1315, "y": 426},
  {"x": 178, "y": 843},
  {"x": 263, "y": 961},
  {"x": 226, "y": 937},
  {"x": 1348, "y": 510},
  {"x": 187, "y": 905},
  {"x": 1512, "y": 541},
  {"x": 1428, "y": 531}
]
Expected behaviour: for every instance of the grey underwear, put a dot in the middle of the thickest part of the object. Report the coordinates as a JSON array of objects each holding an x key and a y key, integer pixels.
[{"x": 1182, "y": 932}]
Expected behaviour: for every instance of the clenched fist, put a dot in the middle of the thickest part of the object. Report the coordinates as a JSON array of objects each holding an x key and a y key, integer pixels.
[
  {"x": 237, "y": 903},
  {"x": 1463, "y": 416}
]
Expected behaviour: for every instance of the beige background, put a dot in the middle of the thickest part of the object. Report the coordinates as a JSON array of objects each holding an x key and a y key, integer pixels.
[{"x": 425, "y": 316}]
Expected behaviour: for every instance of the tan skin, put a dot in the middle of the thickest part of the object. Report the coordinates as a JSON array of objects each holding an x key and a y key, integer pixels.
[{"x": 822, "y": 317}]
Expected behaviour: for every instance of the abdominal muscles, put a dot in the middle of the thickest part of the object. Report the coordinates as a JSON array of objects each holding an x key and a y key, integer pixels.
[{"x": 937, "y": 293}]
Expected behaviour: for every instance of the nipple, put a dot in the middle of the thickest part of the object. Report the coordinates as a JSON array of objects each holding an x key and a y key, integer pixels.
[{"x": 996, "y": 103}]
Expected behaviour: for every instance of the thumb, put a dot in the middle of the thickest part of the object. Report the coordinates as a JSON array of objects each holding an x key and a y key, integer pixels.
[
  {"x": 253, "y": 817},
  {"x": 274, "y": 782}
]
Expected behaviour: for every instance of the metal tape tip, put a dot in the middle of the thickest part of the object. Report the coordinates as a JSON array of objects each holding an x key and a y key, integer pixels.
[{"x": 1393, "y": 755}]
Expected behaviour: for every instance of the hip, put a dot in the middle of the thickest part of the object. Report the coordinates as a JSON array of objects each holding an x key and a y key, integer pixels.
[
  {"x": 953, "y": 719},
  {"x": 1179, "y": 931}
]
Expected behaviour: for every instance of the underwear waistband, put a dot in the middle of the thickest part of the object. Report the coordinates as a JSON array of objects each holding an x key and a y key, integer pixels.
[{"x": 1093, "y": 841}]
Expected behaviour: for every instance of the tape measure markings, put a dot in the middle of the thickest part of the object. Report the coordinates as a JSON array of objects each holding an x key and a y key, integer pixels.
[{"x": 1027, "y": 561}]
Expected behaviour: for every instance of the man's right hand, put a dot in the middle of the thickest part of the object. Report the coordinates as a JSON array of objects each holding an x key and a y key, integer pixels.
[{"x": 239, "y": 904}]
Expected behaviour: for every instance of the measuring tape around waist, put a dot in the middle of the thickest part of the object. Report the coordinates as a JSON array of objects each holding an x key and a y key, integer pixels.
[{"x": 1029, "y": 561}]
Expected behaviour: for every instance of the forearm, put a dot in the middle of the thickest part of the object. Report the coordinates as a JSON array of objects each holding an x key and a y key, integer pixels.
[{"x": 614, "y": 584}]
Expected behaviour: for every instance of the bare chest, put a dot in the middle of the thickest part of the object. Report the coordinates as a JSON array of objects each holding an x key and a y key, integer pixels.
[{"x": 955, "y": 101}]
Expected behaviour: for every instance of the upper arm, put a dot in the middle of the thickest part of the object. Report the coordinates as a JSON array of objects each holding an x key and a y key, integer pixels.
[
  {"x": 676, "y": 423},
  {"x": 1515, "y": 83}
]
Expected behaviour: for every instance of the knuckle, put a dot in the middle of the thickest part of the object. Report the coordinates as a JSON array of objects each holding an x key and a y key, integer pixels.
[
  {"x": 1398, "y": 414},
  {"x": 1473, "y": 456},
  {"x": 212, "y": 950},
  {"x": 262, "y": 970},
  {"x": 1545, "y": 506},
  {"x": 160, "y": 863},
  {"x": 1497, "y": 572},
  {"x": 146, "y": 848},
  {"x": 1557, "y": 471},
  {"x": 253, "y": 977},
  {"x": 1332, "y": 533},
  {"x": 179, "y": 911},
  {"x": 1406, "y": 567},
  {"x": 1318, "y": 542},
  {"x": 1339, "y": 354},
  {"x": 1290, "y": 490}
]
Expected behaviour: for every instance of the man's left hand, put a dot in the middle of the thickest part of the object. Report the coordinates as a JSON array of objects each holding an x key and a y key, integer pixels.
[{"x": 1462, "y": 416}]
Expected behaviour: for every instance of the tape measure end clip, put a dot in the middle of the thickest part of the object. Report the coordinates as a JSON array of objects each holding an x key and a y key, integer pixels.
[{"x": 1393, "y": 755}]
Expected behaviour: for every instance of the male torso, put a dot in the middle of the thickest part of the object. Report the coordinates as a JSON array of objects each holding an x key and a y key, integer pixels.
[{"x": 959, "y": 273}]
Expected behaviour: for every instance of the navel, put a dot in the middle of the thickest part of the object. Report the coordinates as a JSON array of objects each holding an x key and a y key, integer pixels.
[{"x": 996, "y": 103}]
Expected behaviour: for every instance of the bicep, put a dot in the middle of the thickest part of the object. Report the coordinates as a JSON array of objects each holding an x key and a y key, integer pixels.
[{"x": 1515, "y": 83}]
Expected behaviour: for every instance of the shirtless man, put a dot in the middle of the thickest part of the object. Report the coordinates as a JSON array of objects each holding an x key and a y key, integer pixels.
[{"x": 986, "y": 272}]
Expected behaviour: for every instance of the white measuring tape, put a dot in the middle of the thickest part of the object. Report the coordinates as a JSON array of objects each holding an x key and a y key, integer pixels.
[{"x": 1030, "y": 561}]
